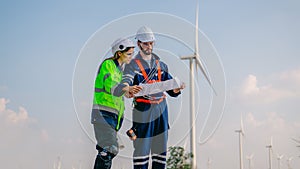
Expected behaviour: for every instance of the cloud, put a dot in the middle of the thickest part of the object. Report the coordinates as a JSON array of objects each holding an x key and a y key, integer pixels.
[
  {"x": 291, "y": 76},
  {"x": 18, "y": 122},
  {"x": 271, "y": 121},
  {"x": 3, "y": 103},
  {"x": 11, "y": 117},
  {"x": 278, "y": 87},
  {"x": 250, "y": 119},
  {"x": 21, "y": 137},
  {"x": 250, "y": 86}
]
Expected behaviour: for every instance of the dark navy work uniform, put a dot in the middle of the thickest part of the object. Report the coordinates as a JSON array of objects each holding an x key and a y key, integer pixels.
[{"x": 150, "y": 113}]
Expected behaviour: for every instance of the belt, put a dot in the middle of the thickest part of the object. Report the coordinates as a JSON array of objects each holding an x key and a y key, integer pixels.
[{"x": 141, "y": 100}]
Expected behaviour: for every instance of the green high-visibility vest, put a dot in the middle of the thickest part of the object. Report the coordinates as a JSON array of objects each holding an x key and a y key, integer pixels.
[{"x": 109, "y": 76}]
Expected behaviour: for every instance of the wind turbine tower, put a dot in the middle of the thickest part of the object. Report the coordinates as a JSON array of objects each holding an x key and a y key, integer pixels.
[
  {"x": 195, "y": 57},
  {"x": 57, "y": 165},
  {"x": 241, "y": 134},
  {"x": 250, "y": 157},
  {"x": 297, "y": 141},
  {"x": 270, "y": 153},
  {"x": 279, "y": 157},
  {"x": 208, "y": 163},
  {"x": 289, "y": 162}
]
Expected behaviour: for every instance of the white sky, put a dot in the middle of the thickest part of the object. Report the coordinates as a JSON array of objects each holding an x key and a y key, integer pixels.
[{"x": 257, "y": 43}]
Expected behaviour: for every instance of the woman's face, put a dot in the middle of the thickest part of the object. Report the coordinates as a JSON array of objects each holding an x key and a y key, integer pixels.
[{"x": 127, "y": 56}]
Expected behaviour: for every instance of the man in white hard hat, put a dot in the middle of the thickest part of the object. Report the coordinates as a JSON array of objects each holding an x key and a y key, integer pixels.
[{"x": 149, "y": 131}]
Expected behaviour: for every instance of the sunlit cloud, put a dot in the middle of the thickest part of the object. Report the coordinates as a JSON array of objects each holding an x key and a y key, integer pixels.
[
  {"x": 280, "y": 86},
  {"x": 271, "y": 120},
  {"x": 14, "y": 118},
  {"x": 251, "y": 120},
  {"x": 3, "y": 103}
]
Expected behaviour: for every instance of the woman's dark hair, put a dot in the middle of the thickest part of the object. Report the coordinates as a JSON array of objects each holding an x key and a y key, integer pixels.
[{"x": 116, "y": 56}]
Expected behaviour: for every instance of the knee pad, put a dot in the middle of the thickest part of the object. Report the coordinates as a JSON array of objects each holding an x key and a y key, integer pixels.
[
  {"x": 108, "y": 151},
  {"x": 103, "y": 162},
  {"x": 104, "y": 158}
]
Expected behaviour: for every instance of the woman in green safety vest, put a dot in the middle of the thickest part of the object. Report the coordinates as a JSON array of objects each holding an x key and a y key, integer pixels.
[{"x": 108, "y": 104}]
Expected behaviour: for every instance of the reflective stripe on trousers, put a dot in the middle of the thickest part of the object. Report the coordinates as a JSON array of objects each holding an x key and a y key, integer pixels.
[{"x": 156, "y": 145}]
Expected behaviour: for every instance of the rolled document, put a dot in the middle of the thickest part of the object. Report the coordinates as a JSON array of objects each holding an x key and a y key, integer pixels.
[{"x": 158, "y": 87}]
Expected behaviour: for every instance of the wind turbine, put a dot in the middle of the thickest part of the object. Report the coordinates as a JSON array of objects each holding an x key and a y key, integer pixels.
[
  {"x": 241, "y": 134},
  {"x": 58, "y": 164},
  {"x": 195, "y": 57},
  {"x": 298, "y": 142},
  {"x": 270, "y": 153},
  {"x": 289, "y": 162},
  {"x": 279, "y": 157},
  {"x": 208, "y": 163},
  {"x": 250, "y": 157}
]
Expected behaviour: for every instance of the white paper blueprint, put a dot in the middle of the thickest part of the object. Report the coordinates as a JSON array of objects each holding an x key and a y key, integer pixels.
[{"x": 159, "y": 87}]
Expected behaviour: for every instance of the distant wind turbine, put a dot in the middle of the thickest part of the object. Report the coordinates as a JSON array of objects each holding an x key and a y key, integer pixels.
[
  {"x": 57, "y": 165},
  {"x": 208, "y": 163},
  {"x": 298, "y": 142},
  {"x": 279, "y": 157},
  {"x": 289, "y": 162},
  {"x": 270, "y": 153},
  {"x": 241, "y": 134},
  {"x": 195, "y": 57},
  {"x": 250, "y": 157}
]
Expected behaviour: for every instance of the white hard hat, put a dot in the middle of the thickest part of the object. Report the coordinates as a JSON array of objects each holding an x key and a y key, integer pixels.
[
  {"x": 121, "y": 44},
  {"x": 145, "y": 34}
]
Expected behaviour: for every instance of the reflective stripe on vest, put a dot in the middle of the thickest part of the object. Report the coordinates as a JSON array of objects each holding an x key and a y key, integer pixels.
[
  {"x": 138, "y": 62},
  {"x": 152, "y": 101}
]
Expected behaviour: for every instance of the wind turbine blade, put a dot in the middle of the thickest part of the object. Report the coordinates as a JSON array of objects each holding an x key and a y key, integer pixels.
[
  {"x": 271, "y": 144},
  {"x": 196, "y": 32},
  {"x": 196, "y": 35},
  {"x": 185, "y": 144},
  {"x": 199, "y": 63},
  {"x": 59, "y": 162},
  {"x": 197, "y": 56},
  {"x": 242, "y": 126},
  {"x": 298, "y": 141}
]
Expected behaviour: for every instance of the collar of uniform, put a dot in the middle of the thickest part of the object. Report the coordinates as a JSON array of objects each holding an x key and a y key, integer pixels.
[
  {"x": 154, "y": 57},
  {"x": 117, "y": 64}
]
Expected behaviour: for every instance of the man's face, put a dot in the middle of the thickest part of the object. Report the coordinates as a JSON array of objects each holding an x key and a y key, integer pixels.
[{"x": 146, "y": 47}]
